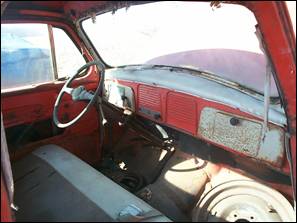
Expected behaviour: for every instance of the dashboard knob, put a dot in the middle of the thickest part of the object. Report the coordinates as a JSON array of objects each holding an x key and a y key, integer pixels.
[{"x": 234, "y": 121}]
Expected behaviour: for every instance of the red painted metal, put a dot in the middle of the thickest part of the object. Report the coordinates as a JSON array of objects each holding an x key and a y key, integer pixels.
[
  {"x": 81, "y": 7},
  {"x": 181, "y": 112},
  {"x": 36, "y": 105},
  {"x": 51, "y": 5},
  {"x": 6, "y": 213},
  {"x": 274, "y": 23},
  {"x": 149, "y": 97},
  {"x": 277, "y": 30},
  {"x": 41, "y": 13},
  {"x": 174, "y": 112}
]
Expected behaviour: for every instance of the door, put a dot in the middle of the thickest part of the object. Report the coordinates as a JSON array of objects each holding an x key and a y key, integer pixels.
[{"x": 36, "y": 59}]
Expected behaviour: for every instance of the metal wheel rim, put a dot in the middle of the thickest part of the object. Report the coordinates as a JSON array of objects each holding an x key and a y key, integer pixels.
[{"x": 243, "y": 200}]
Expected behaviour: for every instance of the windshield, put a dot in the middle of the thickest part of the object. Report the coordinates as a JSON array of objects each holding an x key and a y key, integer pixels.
[{"x": 221, "y": 41}]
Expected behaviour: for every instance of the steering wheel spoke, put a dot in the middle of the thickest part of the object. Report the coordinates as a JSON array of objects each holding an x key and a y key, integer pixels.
[{"x": 79, "y": 93}]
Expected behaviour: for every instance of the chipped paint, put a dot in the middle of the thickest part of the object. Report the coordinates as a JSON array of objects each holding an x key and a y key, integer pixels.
[
  {"x": 186, "y": 82},
  {"x": 272, "y": 149},
  {"x": 244, "y": 137}
]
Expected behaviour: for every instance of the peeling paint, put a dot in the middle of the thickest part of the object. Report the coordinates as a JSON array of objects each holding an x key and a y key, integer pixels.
[
  {"x": 244, "y": 138},
  {"x": 183, "y": 81}
]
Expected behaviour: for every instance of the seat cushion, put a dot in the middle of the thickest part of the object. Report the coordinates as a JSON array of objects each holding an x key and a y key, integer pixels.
[{"x": 51, "y": 184}]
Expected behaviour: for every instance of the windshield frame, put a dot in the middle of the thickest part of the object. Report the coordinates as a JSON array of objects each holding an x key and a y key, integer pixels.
[{"x": 274, "y": 100}]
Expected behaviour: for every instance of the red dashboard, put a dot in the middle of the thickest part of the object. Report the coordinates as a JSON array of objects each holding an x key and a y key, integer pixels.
[{"x": 187, "y": 113}]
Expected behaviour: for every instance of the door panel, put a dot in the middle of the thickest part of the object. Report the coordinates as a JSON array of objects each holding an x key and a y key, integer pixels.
[
  {"x": 36, "y": 106},
  {"x": 26, "y": 108}
]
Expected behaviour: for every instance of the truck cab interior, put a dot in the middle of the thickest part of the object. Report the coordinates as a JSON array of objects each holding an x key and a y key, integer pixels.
[{"x": 148, "y": 111}]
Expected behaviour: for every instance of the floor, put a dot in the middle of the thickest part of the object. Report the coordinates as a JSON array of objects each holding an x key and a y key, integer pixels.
[{"x": 177, "y": 187}]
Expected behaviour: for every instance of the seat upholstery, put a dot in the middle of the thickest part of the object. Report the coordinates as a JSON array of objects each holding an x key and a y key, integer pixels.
[{"x": 54, "y": 185}]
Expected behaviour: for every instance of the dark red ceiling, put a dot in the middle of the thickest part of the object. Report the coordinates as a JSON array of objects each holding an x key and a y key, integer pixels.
[{"x": 76, "y": 8}]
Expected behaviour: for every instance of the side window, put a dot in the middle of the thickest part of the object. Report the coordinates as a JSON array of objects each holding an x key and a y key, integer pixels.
[
  {"x": 28, "y": 55},
  {"x": 68, "y": 57},
  {"x": 25, "y": 55}
]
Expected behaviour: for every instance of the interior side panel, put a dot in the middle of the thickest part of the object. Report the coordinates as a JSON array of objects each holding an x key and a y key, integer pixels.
[
  {"x": 32, "y": 108},
  {"x": 23, "y": 109}
]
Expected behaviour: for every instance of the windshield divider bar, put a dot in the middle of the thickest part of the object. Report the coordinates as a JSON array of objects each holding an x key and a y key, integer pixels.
[{"x": 53, "y": 51}]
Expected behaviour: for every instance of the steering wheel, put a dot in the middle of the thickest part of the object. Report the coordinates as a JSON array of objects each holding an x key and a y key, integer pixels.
[{"x": 78, "y": 94}]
